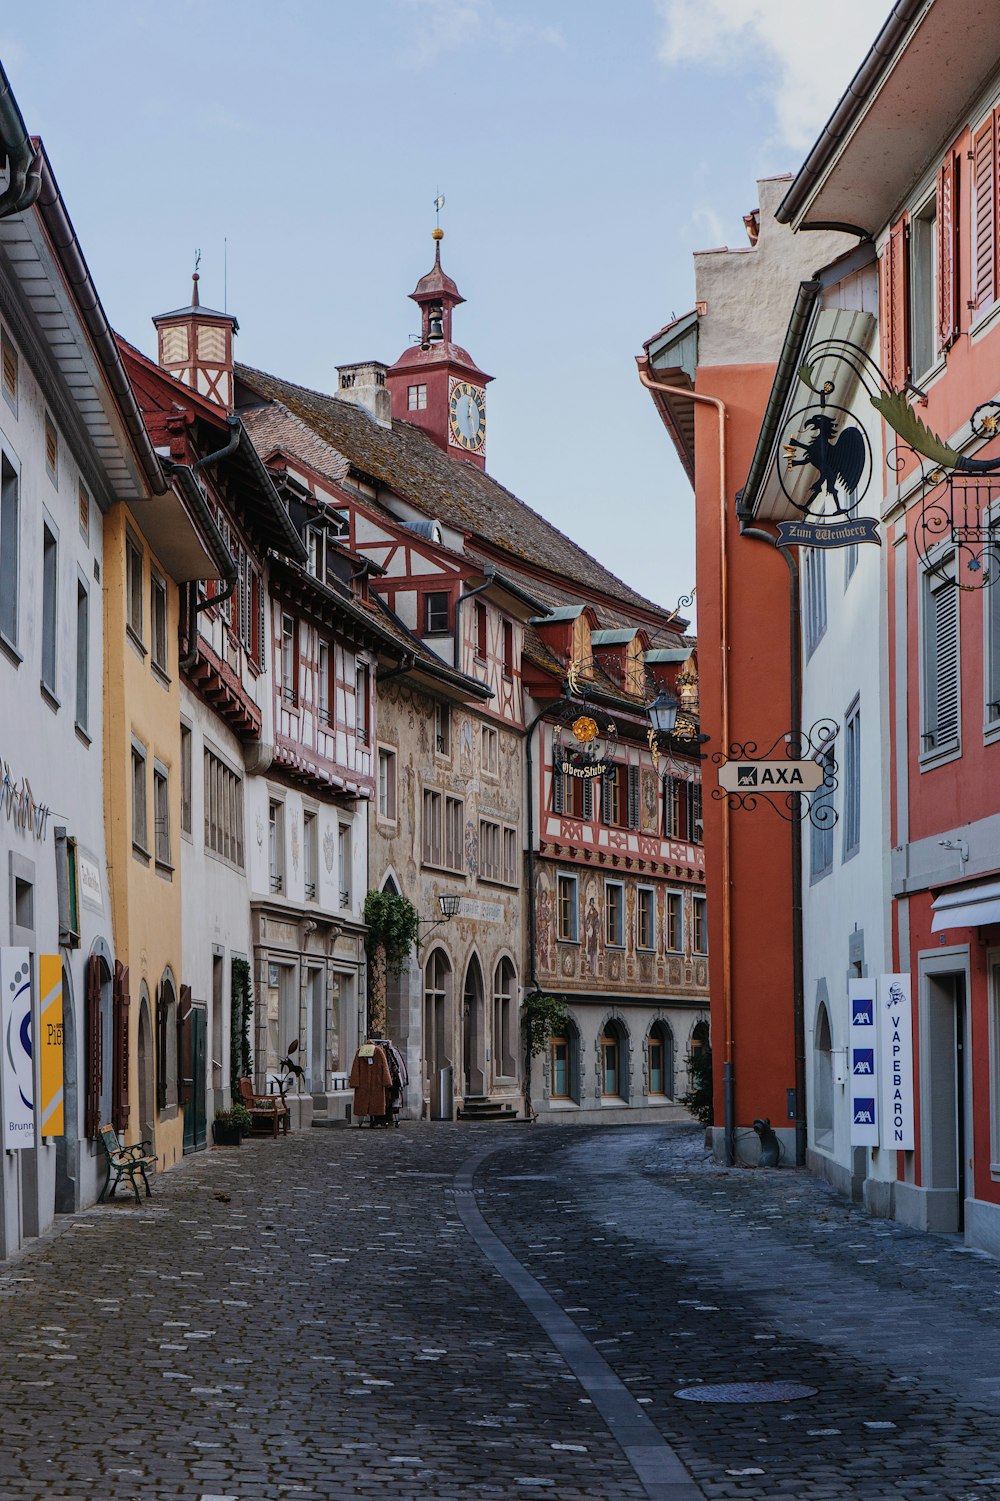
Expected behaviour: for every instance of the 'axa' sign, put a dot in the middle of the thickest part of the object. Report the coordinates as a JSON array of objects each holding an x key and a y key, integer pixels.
[{"x": 771, "y": 776}]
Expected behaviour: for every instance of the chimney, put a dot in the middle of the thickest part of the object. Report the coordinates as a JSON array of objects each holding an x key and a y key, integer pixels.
[{"x": 363, "y": 385}]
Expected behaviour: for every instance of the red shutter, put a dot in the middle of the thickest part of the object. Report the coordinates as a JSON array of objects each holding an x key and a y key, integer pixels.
[
  {"x": 984, "y": 197},
  {"x": 119, "y": 1080},
  {"x": 895, "y": 307},
  {"x": 185, "y": 1049},
  {"x": 947, "y": 252},
  {"x": 92, "y": 1114}
]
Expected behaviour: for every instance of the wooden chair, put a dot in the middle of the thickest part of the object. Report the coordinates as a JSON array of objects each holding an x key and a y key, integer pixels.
[
  {"x": 268, "y": 1112},
  {"x": 125, "y": 1162}
]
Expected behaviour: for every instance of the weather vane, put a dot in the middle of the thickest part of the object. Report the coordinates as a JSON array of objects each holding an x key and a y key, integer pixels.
[{"x": 438, "y": 206}]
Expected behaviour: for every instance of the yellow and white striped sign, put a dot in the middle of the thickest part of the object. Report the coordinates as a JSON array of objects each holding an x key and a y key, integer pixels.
[{"x": 50, "y": 1044}]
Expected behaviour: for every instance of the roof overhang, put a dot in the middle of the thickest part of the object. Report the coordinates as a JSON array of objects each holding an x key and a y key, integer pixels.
[
  {"x": 671, "y": 356},
  {"x": 929, "y": 62},
  {"x": 179, "y": 544}
]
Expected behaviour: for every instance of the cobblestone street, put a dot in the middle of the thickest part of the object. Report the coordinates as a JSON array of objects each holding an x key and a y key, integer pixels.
[{"x": 325, "y": 1326}]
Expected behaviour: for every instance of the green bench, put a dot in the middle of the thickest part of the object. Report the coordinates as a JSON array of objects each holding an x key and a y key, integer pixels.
[{"x": 125, "y": 1162}]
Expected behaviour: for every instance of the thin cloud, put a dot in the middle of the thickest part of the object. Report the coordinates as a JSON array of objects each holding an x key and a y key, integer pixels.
[
  {"x": 440, "y": 26},
  {"x": 811, "y": 51}
]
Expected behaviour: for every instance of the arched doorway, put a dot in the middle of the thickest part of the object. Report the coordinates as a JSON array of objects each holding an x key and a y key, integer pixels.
[
  {"x": 145, "y": 1057},
  {"x": 614, "y": 1060},
  {"x": 474, "y": 1029},
  {"x": 823, "y": 1081},
  {"x": 67, "y": 1194}
]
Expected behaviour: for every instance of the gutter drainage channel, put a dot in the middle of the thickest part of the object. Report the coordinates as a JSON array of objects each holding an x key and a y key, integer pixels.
[{"x": 661, "y": 1474}]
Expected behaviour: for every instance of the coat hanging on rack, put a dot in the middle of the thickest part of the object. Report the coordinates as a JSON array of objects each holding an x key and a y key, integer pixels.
[{"x": 371, "y": 1081}]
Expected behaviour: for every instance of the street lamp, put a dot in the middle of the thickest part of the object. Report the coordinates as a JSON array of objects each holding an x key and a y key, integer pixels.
[
  {"x": 450, "y": 907},
  {"x": 663, "y": 712}
]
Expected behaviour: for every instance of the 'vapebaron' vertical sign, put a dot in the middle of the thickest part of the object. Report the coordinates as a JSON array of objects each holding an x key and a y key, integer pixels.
[
  {"x": 18, "y": 1069},
  {"x": 896, "y": 1062},
  {"x": 862, "y": 1052}
]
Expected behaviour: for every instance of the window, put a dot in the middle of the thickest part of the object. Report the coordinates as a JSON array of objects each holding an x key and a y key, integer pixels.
[
  {"x": 815, "y": 612},
  {"x": 645, "y": 918},
  {"x": 699, "y": 906},
  {"x": 289, "y": 662},
  {"x": 442, "y": 729},
  {"x": 572, "y": 796},
  {"x": 187, "y": 826},
  {"x": 821, "y": 823},
  {"x": 431, "y": 830},
  {"x": 9, "y": 550},
  {"x": 416, "y": 398},
  {"x": 674, "y": 918},
  {"x": 310, "y": 855},
  {"x": 660, "y": 1059},
  {"x": 559, "y": 1068},
  {"x": 158, "y": 622},
  {"x": 437, "y": 614},
  {"x": 940, "y": 730},
  {"x": 51, "y": 450},
  {"x": 161, "y": 813},
  {"x": 454, "y": 828},
  {"x": 682, "y": 809},
  {"x": 276, "y": 845},
  {"x": 508, "y": 649},
  {"x": 852, "y": 781},
  {"x": 82, "y": 656},
  {"x": 568, "y": 909},
  {"x": 323, "y": 683},
  {"x": 481, "y": 631},
  {"x": 620, "y": 797},
  {"x": 489, "y": 850},
  {"x": 361, "y": 675},
  {"x": 923, "y": 287},
  {"x": 50, "y": 595},
  {"x": 8, "y": 362},
  {"x": 610, "y": 1062},
  {"x": 344, "y": 864},
  {"x": 614, "y": 914},
  {"x": 316, "y": 545},
  {"x": 505, "y": 1020},
  {"x": 140, "y": 837},
  {"x": 387, "y": 783},
  {"x": 84, "y": 500},
  {"x": 510, "y": 857},
  {"x": 490, "y": 747},
  {"x": 133, "y": 583},
  {"x": 224, "y": 811}
]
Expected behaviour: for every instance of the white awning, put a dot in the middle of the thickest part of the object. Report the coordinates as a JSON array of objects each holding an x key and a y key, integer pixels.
[{"x": 971, "y": 907}]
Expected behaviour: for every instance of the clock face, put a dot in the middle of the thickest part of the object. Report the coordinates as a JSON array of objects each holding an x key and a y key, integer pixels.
[{"x": 467, "y": 416}]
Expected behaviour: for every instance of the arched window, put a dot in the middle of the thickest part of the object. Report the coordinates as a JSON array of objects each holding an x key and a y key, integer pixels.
[
  {"x": 505, "y": 1020},
  {"x": 823, "y": 1081},
  {"x": 166, "y": 1045},
  {"x": 660, "y": 1060},
  {"x": 614, "y": 1060},
  {"x": 564, "y": 1064},
  {"x": 438, "y": 986}
]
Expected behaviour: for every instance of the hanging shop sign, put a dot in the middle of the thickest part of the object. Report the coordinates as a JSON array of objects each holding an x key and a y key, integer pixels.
[
  {"x": 799, "y": 784},
  {"x": 896, "y": 1061},
  {"x": 575, "y": 766},
  {"x": 17, "y": 801},
  {"x": 825, "y": 470},
  {"x": 17, "y": 1072},
  {"x": 50, "y": 1045},
  {"x": 583, "y": 747},
  {"x": 862, "y": 1056}
]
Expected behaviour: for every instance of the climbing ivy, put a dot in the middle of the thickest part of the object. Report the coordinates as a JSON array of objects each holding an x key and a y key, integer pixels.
[
  {"x": 240, "y": 1023},
  {"x": 541, "y": 1016},
  {"x": 392, "y": 927}
]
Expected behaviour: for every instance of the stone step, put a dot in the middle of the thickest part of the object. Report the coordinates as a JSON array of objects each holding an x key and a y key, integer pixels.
[{"x": 482, "y": 1108}]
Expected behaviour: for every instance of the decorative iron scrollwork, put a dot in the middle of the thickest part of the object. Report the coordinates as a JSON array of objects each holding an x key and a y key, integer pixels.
[{"x": 813, "y": 744}]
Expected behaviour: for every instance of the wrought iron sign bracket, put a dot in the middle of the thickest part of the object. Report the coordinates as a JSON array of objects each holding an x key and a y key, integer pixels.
[{"x": 796, "y": 775}]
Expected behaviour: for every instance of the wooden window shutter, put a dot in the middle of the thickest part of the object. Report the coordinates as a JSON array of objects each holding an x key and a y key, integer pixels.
[
  {"x": 95, "y": 1049},
  {"x": 668, "y": 808},
  {"x": 161, "y": 1049},
  {"x": 896, "y": 307},
  {"x": 558, "y": 786},
  {"x": 947, "y": 252},
  {"x": 588, "y": 798},
  {"x": 185, "y": 1049},
  {"x": 633, "y": 797},
  {"x": 984, "y": 198},
  {"x": 608, "y": 794},
  {"x": 119, "y": 1084},
  {"x": 945, "y": 605}
]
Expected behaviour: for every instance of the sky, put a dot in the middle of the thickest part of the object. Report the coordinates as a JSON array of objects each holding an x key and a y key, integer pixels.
[{"x": 584, "y": 150}]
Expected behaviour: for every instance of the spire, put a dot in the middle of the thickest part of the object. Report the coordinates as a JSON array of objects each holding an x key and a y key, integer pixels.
[{"x": 195, "y": 279}]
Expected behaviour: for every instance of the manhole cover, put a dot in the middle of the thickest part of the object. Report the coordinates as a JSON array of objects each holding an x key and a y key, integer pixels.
[{"x": 747, "y": 1391}]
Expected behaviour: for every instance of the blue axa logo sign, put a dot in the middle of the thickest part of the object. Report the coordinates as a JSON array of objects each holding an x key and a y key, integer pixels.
[
  {"x": 864, "y": 1112},
  {"x": 863, "y": 1061},
  {"x": 863, "y": 1011}
]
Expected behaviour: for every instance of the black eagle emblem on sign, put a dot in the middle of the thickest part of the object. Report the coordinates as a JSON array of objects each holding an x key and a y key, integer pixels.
[{"x": 838, "y": 461}]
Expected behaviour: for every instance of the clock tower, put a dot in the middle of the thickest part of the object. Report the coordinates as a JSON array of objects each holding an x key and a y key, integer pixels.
[{"x": 436, "y": 384}]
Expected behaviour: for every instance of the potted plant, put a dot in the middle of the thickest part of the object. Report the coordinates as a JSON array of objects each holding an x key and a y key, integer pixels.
[{"x": 230, "y": 1126}]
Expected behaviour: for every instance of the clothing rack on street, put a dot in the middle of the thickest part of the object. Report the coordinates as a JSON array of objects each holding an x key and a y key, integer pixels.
[{"x": 378, "y": 1077}]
